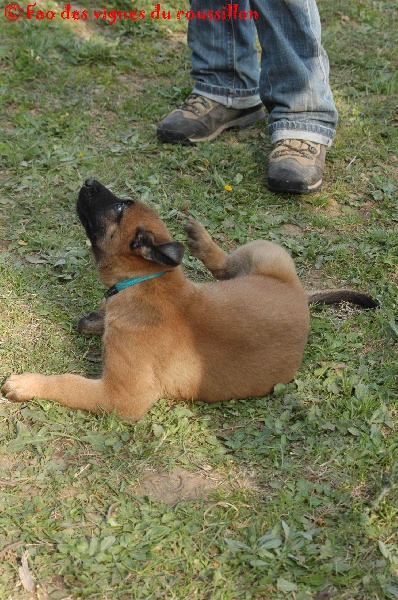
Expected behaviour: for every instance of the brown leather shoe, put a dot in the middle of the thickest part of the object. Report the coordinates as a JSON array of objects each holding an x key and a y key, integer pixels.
[
  {"x": 296, "y": 166},
  {"x": 200, "y": 119}
]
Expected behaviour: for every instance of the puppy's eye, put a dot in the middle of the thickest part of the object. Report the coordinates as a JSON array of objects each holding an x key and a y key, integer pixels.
[{"x": 119, "y": 207}]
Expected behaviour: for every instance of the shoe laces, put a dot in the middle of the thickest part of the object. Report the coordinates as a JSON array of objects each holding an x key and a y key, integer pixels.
[
  {"x": 195, "y": 104},
  {"x": 295, "y": 148}
]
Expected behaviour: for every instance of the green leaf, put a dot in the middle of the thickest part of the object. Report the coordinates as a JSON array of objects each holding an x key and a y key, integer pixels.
[
  {"x": 259, "y": 563},
  {"x": 340, "y": 566},
  {"x": 158, "y": 430},
  {"x": 96, "y": 440},
  {"x": 212, "y": 440},
  {"x": 235, "y": 545},
  {"x": 26, "y": 438},
  {"x": 263, "y": 553},
  {"x": 326, "y": 550},
  {"x": 269, "y": 540},
  {"x": 93, "y": 546},
  {"x": 327, "y": 425},
  {"x": 354, "y": 431},
  {"x": 107, "y": 542},
  {"x": 218, "y": 179},
  {"x": 279, "y": 389},
  {"x": 283, "y": 585},
  {"x": 34, "y": 260},
  {"x": 182, "y": 411},
  {"x": 238, "y": 178},
  {"x": 384, "y": 550},
  {"x": 286, "y": 529},
  {"x": 361, "y": 391},
  {"x": 394, "y": 328}
]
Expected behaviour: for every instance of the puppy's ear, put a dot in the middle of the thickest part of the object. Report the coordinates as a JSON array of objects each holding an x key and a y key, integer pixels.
[{"x": 169, "y": 254}]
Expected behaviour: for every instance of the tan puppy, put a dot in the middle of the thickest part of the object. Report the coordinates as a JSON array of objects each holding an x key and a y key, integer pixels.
[{"x": 165, "y": 336}]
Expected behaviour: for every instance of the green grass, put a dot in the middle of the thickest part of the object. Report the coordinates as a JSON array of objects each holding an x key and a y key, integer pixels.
[{"x": 301, "y": 487}]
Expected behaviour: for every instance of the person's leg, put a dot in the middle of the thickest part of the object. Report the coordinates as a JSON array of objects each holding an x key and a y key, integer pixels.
[
  {"x": 294, "y": 87},
  {"x": 226, "y": 73},
  {"x": 223, "y": 57},
  {"x": 294, "y": 80}
]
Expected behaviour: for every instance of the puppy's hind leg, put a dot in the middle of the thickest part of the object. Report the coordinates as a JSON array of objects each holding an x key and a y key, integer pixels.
[{"x": 254, "y": 258}]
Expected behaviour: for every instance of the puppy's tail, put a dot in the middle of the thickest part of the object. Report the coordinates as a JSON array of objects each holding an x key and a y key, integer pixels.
[{"x": 337, "y": 296}]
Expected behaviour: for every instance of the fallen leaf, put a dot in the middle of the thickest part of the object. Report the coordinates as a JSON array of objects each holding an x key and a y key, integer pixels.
[{"x": 25, "y": 575}]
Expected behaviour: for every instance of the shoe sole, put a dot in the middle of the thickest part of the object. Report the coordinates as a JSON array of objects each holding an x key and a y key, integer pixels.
[
  {"x": 245, "y": 121},
  {"x": 281, "y": 188}
]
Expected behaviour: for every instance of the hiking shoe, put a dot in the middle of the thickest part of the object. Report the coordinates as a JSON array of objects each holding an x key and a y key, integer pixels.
[
  {"x": 200, "y": 119},
  {"x": 296, "y": 166}
]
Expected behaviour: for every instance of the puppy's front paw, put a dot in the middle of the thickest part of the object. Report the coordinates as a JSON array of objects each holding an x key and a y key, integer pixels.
[
  {"x": 20, "y": 388},
  {"x": 93, "y": 323}
]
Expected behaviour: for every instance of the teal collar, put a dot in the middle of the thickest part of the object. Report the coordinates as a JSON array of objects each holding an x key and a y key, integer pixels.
[{"x": 118, "y": 287}]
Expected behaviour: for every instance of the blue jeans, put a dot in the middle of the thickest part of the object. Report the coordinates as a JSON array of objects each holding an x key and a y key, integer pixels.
[{"x": 292, "y": 79}]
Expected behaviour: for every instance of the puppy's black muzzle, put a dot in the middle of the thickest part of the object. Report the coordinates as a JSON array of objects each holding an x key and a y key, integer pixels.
[{"x": 94, "y": 203}]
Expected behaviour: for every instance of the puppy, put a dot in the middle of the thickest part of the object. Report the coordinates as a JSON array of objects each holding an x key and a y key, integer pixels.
[{"x": 165, "y": 336}]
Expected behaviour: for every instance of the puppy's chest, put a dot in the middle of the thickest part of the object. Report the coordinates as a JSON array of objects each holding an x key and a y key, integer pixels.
[{"x": 126, "y": 315}]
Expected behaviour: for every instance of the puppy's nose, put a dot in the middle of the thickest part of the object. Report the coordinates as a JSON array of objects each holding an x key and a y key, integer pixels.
[{"x": 89, "y": 182}]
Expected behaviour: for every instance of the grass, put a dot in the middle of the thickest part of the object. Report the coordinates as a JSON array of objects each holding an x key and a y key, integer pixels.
[{"x": 301, "y": 487}]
